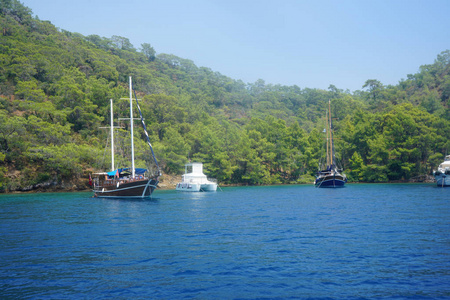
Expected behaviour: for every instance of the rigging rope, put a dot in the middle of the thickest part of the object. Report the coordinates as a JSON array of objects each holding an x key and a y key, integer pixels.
[
  {"x": 146, "y": 133},
  {"x": 102, "y": 164}
]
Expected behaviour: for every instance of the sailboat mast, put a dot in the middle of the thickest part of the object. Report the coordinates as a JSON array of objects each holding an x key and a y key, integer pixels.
[
  {"x": 331, "y": 137},
  {"x": 112, "y": 137},
  {"x": 326, "y": 129},
  {"x": 132, "y": 134}
]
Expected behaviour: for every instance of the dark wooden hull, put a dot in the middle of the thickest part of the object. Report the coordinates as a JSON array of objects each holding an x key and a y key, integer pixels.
[
  {"x": 129, "y": 189},
  {"x": 331, "y": 181}
]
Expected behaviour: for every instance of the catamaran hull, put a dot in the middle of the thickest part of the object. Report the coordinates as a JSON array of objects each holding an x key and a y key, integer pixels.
[
  {"x": 134, "y": 189},
  {"x": 196, "y": 187},
  {"x": 188, "y": 187},
  {"x": 208, "y": 187},
  {"x": 442, "y": 180},
  {"x": 331, "y": 181}
]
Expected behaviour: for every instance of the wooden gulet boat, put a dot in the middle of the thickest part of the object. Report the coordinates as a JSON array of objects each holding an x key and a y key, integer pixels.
[
  {"x": 127, "y": 182},
  {"x": 331, "y": 176}
]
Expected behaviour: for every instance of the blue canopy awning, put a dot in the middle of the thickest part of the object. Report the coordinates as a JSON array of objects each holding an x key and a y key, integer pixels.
[
  {"x": 139, "y": 171},
  {"x": 113, "y": 173},
  {"x": 118, "y": 172}
]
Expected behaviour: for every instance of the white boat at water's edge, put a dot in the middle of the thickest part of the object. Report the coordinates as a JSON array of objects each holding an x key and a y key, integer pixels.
[
  {"x": 196, "y": 181},
  {"x": 442, "y": 175}
]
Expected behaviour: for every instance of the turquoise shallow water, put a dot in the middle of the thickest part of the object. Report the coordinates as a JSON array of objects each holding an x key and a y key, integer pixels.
[{"x": 378, "y": 241}]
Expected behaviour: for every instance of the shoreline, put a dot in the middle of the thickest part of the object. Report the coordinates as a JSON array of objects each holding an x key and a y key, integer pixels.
[{"x": 171, "y": 185}]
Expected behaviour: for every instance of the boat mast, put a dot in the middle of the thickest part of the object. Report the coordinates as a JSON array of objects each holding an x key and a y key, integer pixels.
[
  {"x": 326, "y": 129},
  {"x": 112, "y": 137},
  {"x": 131, "y": 126},
  {"x": 331, "y": 136}
]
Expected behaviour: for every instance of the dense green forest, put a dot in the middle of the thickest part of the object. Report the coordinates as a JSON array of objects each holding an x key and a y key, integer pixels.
[{"x": 55, "y": 88}]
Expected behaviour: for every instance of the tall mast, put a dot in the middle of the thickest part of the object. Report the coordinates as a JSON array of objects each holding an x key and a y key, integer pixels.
[
  {"x": 331, "y": 137},
  {"x": 112, "y": 137},
  {"x": 326, "y": 129},
  {"x": 132, "y": 140}
]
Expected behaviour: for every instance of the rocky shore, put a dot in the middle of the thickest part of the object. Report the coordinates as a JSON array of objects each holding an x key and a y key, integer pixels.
[{"x": 166, "y": 182}]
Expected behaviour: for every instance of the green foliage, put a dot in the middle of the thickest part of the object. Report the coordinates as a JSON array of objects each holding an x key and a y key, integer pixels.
[
  {"x": 62, "y": 162},
  {"x": 396, "y": 144},
  {"x": 356, "y": 168},
  {"x": 148, "y": 51},
  {"x": 3, "y": 172},
  {"x": 55, "y": 88}
]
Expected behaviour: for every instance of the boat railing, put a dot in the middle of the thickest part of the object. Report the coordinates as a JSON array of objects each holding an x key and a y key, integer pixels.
[
  {"x": 201, "y": 180},
  {"x": 113, "y": 181}
]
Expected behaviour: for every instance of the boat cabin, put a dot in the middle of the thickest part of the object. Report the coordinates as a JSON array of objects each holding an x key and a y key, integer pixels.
[{"x": 196, "y": 174}]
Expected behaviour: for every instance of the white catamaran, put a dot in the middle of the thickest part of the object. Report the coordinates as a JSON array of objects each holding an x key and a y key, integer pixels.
[
  {"x": 196, "y": 181},
  {"x": 127, "y": 182}
]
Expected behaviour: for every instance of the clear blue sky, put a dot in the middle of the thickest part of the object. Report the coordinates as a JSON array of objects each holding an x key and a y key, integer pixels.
[{"x": 290, "y": 42}]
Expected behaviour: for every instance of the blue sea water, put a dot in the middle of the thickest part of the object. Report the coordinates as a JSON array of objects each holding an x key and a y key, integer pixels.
[{"x": 379, "y": 241}]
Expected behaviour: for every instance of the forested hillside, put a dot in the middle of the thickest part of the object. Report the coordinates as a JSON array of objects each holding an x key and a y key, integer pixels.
[{"x": 55, "y": 88}]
